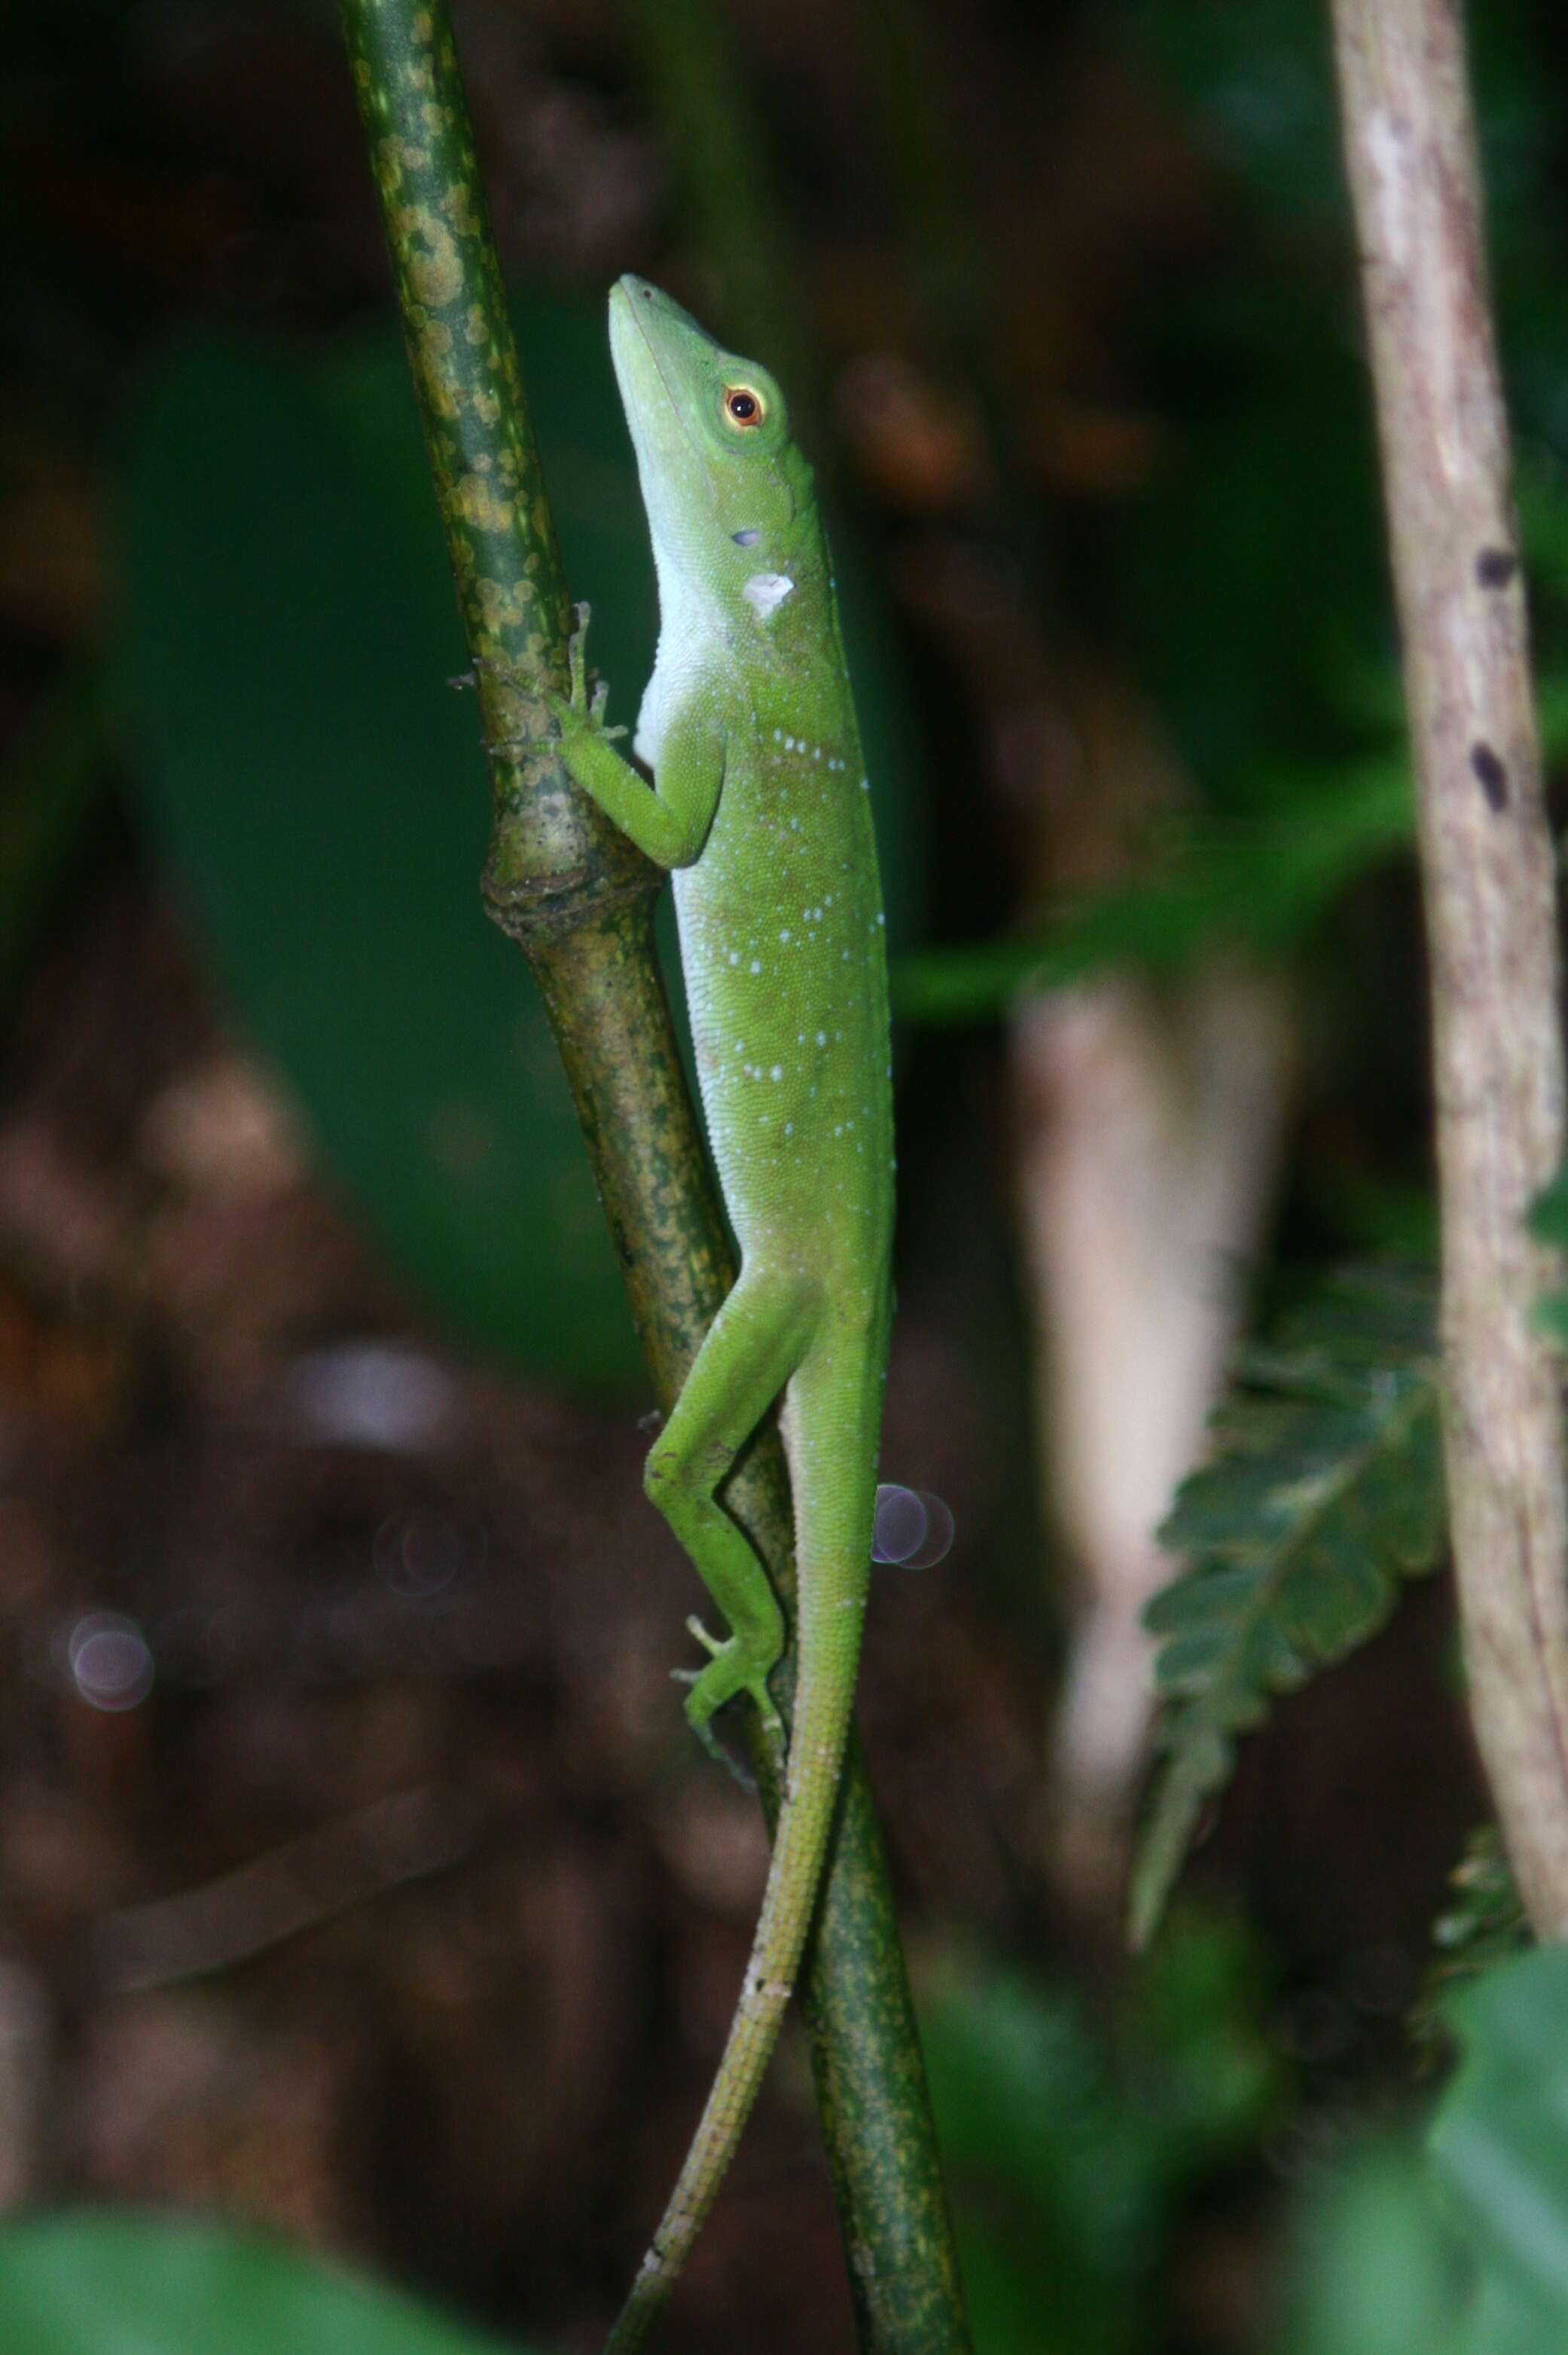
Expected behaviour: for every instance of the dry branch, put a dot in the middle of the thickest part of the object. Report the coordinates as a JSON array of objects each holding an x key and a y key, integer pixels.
[{"x": 1487, "y": 878}]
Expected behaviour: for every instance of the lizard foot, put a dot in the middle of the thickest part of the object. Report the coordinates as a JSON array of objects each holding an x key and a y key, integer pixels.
[
  {"x": 733, "y": 1666},
  {"x": 577, "y": 713},
  {"x": 580, "y": 713}
]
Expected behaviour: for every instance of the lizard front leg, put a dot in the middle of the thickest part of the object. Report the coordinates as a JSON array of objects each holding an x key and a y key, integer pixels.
[{"x": 669, "y": 822}]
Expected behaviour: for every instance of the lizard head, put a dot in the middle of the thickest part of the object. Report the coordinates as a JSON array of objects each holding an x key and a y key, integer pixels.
[{"x": 725, "y": 487}]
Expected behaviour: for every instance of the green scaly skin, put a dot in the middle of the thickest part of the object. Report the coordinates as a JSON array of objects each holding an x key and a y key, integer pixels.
[{"x": 760, "y": 808}]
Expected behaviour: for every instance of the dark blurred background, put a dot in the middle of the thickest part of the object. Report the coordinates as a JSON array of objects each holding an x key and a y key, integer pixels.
[{"x": 356, "y": 1874}]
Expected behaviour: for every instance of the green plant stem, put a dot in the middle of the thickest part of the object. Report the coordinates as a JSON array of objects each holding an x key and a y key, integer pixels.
[{"x": 569, "y": 890}]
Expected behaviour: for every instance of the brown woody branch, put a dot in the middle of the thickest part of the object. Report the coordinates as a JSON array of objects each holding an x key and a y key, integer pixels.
[{"x": 1487, "y": 878}]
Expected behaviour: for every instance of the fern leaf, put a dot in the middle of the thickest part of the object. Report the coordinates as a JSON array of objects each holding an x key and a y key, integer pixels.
[{"x": 1325, "y": 1490}]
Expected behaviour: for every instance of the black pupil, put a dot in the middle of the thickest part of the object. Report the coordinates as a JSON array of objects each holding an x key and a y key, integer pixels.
[{"x": 741, "y": 404}]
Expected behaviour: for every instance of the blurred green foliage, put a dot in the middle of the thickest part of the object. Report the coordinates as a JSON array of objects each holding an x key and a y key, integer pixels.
[
  {"x": 1465, "y": 2251},
  {"x": 317, "y": 792},
  {"x": 1248, "y": 579},
  {"x": 1498, "y": 2148},
  {"x": 1253, "y": 581},
  {"x": 1252, "y": 884},
  {"x": 1371, "y": 2274},
  {"x": 96, "y": 2282},
  {"x": 1072, "y": 2148},
  {"x": 1075, "y": 2155}
]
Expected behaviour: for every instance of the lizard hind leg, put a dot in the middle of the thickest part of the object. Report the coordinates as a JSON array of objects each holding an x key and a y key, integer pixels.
[{"x": 757, "y": 1341}]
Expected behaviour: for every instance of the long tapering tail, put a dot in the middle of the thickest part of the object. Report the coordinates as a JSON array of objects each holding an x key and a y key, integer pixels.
[{"x": 830, "y": 1616}]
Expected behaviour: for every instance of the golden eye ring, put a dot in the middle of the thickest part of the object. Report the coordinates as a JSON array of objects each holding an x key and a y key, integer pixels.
[{"x": 743, "y": 409}]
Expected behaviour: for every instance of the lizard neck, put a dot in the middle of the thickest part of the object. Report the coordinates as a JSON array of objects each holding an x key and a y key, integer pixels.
[{"x": 770, "y": 604}]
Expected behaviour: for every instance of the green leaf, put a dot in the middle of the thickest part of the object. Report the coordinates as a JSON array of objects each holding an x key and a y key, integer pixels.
[
  {"x": 1371, "y": 2274},
  {"x": 1465, "y": 2251},
  {"x": 100, "y": 2282},
  {"x": 318, "y": 795},
  {"x": 1499, "y": 2151},
  {"x": 1325, "y": 1490}
]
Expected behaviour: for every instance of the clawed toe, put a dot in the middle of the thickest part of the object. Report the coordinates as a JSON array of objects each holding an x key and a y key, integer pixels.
[{"x": 710, "y": 1644}]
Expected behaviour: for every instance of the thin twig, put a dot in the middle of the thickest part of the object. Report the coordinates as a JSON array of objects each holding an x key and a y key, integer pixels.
[
  {"x": 289, "y": 1889},
  {"x": 1486, "y": 868}
]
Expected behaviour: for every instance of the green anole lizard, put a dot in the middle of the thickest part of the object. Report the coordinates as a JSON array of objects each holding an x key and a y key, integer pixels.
[{"x": 759, "y": 807}]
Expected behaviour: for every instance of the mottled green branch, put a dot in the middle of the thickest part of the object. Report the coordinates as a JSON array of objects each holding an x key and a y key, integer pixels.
[
  {"x": 577, "y": 898},
  {"x": 549, "y": 840}
]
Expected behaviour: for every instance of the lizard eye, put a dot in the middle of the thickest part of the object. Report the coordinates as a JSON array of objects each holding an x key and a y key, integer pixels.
[{"x": 742, "y": 407}]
